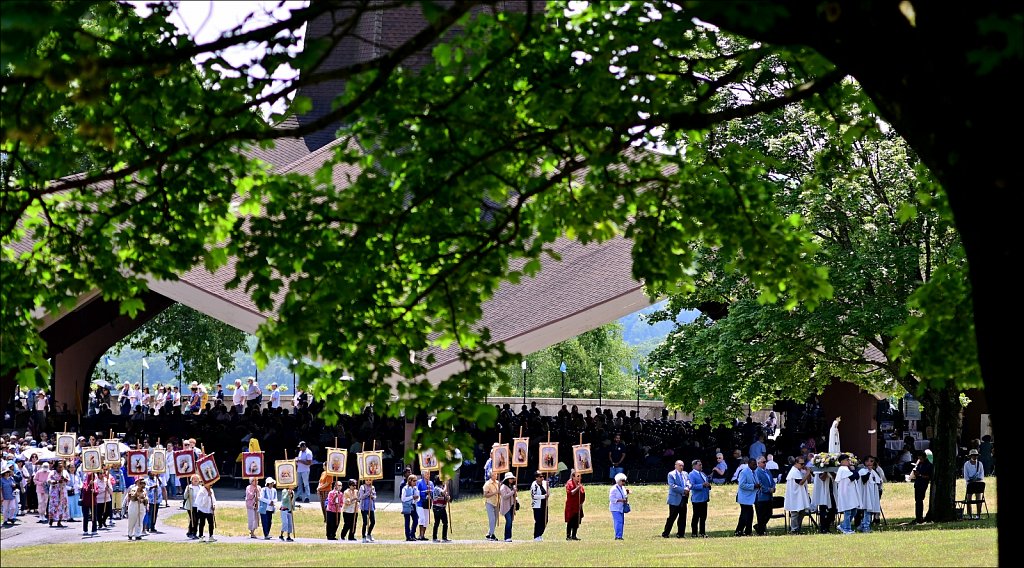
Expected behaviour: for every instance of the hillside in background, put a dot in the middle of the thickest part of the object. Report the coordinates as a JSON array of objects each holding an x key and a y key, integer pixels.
[{"x": 644, "y": 336}]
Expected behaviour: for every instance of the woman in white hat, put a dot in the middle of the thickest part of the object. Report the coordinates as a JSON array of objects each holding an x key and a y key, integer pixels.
[
  {"x": 268, "y": 497},
  {"x": 618, "y": 503},
  {"x": 509, "y": 503}
]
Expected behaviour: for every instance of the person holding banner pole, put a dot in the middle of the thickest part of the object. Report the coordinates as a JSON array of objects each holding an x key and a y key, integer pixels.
[
  {"x": 367, "y": 506},
  {"x": 89, "y": 508},
  {"x": 539, "y": 496},
  {"x": 189, "y": 503},
  {"x": 439, "y": 501},
  {"x": 575, "y": 496},
  {"x": 252, "y": 500},
  {"x": 287, "y": 519},
  {"x": 138, "y": 501},
  {"x": 492, "y": 491},
  {"x": 206, "y": 504},
  {"x": 335, "y": 499}
]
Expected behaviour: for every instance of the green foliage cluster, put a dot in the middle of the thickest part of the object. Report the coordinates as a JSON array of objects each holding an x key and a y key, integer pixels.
[
  {"x": 525, "y": 129},
  {"x": 887, "y": 240}
]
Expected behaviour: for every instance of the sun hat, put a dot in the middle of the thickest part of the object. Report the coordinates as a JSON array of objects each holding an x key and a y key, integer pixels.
[
  {"x": 508, "y": 475},
  {"x": 972, "y": 453},
  {"x": 270, "y": 481}
]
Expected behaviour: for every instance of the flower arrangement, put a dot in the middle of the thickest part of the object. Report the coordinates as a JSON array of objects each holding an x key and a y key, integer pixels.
[
  {"x": 825, "y": 459},
  {"x": 280, "y": 388},
  {"x": 229, "y": 386}
]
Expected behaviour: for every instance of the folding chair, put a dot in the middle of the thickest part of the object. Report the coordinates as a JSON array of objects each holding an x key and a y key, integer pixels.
[{"x": 979, "y": 500}]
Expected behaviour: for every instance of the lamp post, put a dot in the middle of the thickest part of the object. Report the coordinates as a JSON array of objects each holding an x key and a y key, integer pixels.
[
  {"x": 523, "y": 366},
  {"x": 294, "y": 362},
  {"x": 638, "y": 390},
  {"x": 600, "y": 382},
  {"x": 563, "y": 368}
]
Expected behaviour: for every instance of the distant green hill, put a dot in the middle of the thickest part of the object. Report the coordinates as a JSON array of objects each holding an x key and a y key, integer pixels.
[{"x": 644, "y": 336}]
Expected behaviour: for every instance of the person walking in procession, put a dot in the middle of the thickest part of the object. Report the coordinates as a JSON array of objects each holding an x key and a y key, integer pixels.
[
  {"x": 847, "y": 493},
  {"x": 57, "y": 503},
  {"x": 870, "y": 488},
  {"x": 509, "y": 503},
  {"x": 575, "y": 496},
  {"x": 287, "y": 517},
  {"x": 335, "y": 503},
  {"x": 410, "y": 495},
  {"x": 367, "y": 507},
  {"x": 252, "y": 506},
  {"x": 798, "y": 502},
  {"x": 618, "y": 504},
  {"x": 539, "y": 496},
  {"x": 189, "y": 503},
  {"x": 138, "y": 502},
  {"x": 492, "y": 496},
  {"x": 439, "y": 500},
  {"x": 206, "y": 505},
  {"x": 268, "y": 500},
  {"x": 349, "y": 509}
]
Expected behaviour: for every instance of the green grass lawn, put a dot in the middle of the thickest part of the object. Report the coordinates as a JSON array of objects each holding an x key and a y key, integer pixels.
[{"x": 970, "y": 542}]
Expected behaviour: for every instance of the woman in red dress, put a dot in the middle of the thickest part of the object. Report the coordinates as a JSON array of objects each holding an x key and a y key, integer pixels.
[{"x": 575, "y": 496}]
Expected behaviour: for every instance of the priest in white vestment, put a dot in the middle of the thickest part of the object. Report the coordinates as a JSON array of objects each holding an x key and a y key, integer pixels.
[{"x": 798, "y": 502}]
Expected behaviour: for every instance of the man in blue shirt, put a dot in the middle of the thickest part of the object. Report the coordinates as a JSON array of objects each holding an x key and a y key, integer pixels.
[
  {"x": 616, "y": 456},
  {"x": 700, "y": 494},
  {"x": 678, "y": 495},
  {"x": 746, "y": 494},
  {"x": 758, "y": 449},
  {"x": 765, "y": 484}
]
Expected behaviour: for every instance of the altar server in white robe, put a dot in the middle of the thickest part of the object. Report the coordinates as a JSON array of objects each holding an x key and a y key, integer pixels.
[
  {"x": 823, "y": 499},
  {"x": 870, "y": 486},
  {"x": 798, "y": 502},
  {"x": 847, "y": 493}
]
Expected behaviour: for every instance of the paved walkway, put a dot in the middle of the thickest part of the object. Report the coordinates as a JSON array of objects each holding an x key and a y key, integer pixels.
[{"x": 30, "y": 533}]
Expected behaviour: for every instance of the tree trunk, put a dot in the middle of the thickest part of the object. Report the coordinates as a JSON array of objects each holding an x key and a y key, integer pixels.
[
  {"x": 924, "y": 76},
  {"x": 943, "y": 410}
]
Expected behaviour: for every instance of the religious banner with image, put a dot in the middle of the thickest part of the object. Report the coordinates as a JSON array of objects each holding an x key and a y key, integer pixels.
[
  {"x": 92, "y": 459},
  {"x": 371, "y": 465},
  {"x": 548, "y": 462},
  {"x": 285, "y": 470},
  {"x": 208, "y": 471},
  {"x": 158, "y": 461},
  {"x": 500, "y": 462},
  {"x": 337, "y": 462},
  {"x": 112, "y": 451},
  {"x": 66, "y": 445},
  {"x": 184, "y": 463},
  {"x": 520, "y": 451},
  {"x": 581, "y": 459},
  {"x": 252, "y": 465},
  {"x": 137, "y": 463}
]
